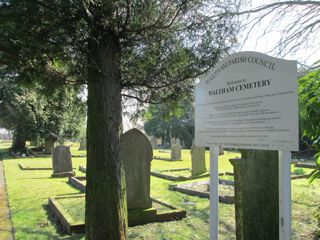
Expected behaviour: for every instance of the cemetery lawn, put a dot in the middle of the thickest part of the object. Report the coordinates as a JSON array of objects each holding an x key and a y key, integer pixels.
[{"x": 32, "y": 219}]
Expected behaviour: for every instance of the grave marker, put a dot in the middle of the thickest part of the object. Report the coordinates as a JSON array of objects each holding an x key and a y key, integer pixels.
[
  {"x": 176, "y": 152},
  {"x": 198, "y": 159},
  {"x": 61, "y": 162},
  {"x": 137, "y": 155},
  {"x": 175, "y": 149}
]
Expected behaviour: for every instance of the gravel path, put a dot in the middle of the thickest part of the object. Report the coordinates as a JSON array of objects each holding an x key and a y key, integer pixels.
[{"x": 6, "y": 229}]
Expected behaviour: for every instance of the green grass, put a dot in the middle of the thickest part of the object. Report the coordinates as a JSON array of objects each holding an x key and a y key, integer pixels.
[
  {"x": 224, "y": 164},
  {"x": 29, "y": 192},
  {"x": 28, "y": 196},
  {"x": 74, "y": 207}
]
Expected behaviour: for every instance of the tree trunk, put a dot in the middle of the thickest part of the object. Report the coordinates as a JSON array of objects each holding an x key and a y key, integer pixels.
[
  {"x": 49, "y": 145},
  {"x": 19, "y": 139},
  {"x": 106, "y": 209}
]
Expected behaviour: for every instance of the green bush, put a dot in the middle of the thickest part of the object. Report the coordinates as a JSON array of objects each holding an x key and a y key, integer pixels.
[{"x": 299, "y": 171}]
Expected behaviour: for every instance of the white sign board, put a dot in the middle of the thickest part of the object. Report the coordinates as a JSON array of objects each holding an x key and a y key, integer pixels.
[{"x": 248, "y": 101}]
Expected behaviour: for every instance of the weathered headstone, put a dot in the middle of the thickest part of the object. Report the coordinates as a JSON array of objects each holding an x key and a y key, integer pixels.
[
  {"x": 61, "y": 162},
  {"x": 137, "y": 155},
  {"x": 176, "y": 152},
  {"x": 83, "y": 144},
  {"x": 256, "y": 195},
  {"x": 172, "y": 142},
  {"x": 153, "y": 141},
  {"x": 198, "y": 159},
  {"x": 178, "y": 141},
  {"x": 221, "y": 151}
]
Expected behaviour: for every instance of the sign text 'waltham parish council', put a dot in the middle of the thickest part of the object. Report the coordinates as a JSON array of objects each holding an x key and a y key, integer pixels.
[{"x": 249, "y": 101}]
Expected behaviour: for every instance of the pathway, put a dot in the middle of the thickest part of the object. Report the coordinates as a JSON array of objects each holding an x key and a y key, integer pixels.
[{"x": 6, "y": 229}]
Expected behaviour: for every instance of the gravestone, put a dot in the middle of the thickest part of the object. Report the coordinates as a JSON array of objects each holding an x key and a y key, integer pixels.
[
  {"x": 172, "y": 142},
  {"x": 256, "y": 195},
  {"x": 198, "y": 159},
  {"x": 137, "y": 155},
  {"x": 221, "y": 151},
  {"x": 176, "y": 152},
  {"x": 166, "y": 145},
  {"x": 83, "y": 144},
  {"x": 153, "y": 141},
  {"x": 61, "y": 162}
]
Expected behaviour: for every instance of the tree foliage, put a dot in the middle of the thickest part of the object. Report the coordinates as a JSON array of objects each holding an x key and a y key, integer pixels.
[
  {"x": 165, "y": 121},
  {"x": 18, "y": 108},
  {"x": 146, "y": 50},
  {"x": 39, "y": 112},
  {"x": 161, "y": 43},
  {"x": 309, "y": 100}
]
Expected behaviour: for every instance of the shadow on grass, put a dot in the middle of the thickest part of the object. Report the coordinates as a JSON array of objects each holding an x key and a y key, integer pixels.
[
  {"x": 203, "y": 214},
  {"x": 166, "y": 159},
  {"x": 70, "y": 194},
  {"x": 227, "y": 226},
  {"x": 5, "y": 154},
  {"x": 52, "y": 218},
  {"x": 48, "y": 235},
  {"x": 36, "y": 178},
  {"x": 303, "y": 203}
]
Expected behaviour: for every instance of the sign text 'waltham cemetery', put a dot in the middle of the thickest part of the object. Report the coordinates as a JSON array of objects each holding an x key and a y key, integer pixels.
[{"x": 248, "y": 101}]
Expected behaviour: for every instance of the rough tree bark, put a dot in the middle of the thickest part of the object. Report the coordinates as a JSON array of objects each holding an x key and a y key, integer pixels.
[
  {"x": 106, "y": 210},
  {"x": 19, "y": 139}
]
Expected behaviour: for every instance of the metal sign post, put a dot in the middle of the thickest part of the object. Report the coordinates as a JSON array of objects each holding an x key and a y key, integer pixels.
[
  {"x": 214, "y": 193},
  {"x": 284, "y": 195}
]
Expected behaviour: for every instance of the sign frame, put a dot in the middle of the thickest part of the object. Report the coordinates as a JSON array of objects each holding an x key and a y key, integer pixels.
[
  {"x": 284, "y": 150},
  {"x": 248, "y": 104}
]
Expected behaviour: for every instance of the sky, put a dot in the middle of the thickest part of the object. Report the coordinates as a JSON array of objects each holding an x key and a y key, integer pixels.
[
  {"x": 306, "y": 56},
  {"x": 308, "y": 53}
]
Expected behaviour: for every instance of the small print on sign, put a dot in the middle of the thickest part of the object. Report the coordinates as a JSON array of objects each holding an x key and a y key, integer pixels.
[{"x": 249, "y": 101}]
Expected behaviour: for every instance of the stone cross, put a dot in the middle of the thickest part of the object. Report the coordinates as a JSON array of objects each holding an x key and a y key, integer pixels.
[
  {"x": 137, "y": 155},
  {"x": 198, "y": 159}
]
